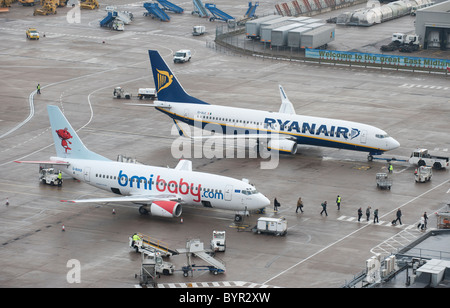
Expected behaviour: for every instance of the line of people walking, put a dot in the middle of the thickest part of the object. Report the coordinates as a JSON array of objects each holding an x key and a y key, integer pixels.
[{"x": 398, "y": 215}]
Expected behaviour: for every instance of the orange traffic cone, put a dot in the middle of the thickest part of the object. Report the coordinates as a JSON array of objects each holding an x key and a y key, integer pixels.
[{"x": 181, "y": 221}]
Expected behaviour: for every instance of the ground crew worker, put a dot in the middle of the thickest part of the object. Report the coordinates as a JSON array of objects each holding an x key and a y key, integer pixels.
[
  {"x": 38, "y": 89},
  {"x": 59, "y": 178},
  {"x": 391, "y": 168},
  {"x": 338, "y": 202},
  {"x": 136, "y": 239}
]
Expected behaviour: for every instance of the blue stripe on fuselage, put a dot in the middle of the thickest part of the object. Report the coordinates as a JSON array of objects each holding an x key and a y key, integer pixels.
[{"x": 300, "y": 139}]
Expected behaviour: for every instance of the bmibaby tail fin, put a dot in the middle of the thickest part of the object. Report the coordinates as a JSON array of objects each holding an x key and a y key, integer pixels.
[{"x": 67, "y": 142}]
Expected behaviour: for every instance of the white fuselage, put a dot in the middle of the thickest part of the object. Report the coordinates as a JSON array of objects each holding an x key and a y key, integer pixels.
[
  {"x": 303, "y": 129},
  {"x": 192, "y": 188}
]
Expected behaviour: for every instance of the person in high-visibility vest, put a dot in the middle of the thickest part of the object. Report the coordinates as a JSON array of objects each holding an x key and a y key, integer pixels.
[
  {"x": 59, "y": 178},
  {"x": 391, "y": 168},
  {"x": 338, "y": 202},
  {"x": 136, "y": 239},
  {"x": 38, "y": 89}
]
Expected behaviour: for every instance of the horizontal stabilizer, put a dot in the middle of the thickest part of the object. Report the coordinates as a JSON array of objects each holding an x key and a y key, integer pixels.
[{"x": 159, "y": 105}]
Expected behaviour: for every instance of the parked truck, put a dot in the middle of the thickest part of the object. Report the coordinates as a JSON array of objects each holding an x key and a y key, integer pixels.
[
  {"x": 402, "y": 42},
  {"x": 421, "y": 157},
  {"x": 319, "y": 37},
  {"x": 147, "y": 93}
]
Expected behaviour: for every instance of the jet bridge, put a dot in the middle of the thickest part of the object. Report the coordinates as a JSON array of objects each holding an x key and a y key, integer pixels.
[{"x": 155, "y": 11}]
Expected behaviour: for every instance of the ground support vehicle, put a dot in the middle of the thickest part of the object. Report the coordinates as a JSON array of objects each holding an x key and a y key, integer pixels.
[
  {"x": 48, "y": 7},
  {"x": 383, "y": 181},
  {"x": 119, "y": 93},
  {"x": 89, "y": 4},
  {"x": 147, "y": 93},
  {"x": 423, "y": 174},
  {"x": 49, "y": 176},
  {"x": 194, "y": 248},
  {"x": 218, "y": 242},
  {"x": 29, "y": 2},
  {"x": 32, "y": 34},
  {"x": 198, "y": 30},
  {"x": 148, "y": 243},
  {"x": 182, "y": 56},
  {"x": 277, "y": 226},
  {"x": 421, "y": 157},
  {"x": 161, "y": 266}
]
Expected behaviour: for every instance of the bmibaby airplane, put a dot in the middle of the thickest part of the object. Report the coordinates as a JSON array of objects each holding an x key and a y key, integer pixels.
[
  {"x": 289, "y": 128},
  {"x": 160, "y": 191}
]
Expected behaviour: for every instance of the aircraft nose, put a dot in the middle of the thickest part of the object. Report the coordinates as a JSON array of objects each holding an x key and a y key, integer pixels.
[
  {"x": 264, "y": 201},
  {"x": 393, "y": 144}
]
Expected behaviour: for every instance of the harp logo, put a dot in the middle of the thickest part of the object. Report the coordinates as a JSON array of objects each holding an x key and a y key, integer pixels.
[{"x": 164, "y": 80}]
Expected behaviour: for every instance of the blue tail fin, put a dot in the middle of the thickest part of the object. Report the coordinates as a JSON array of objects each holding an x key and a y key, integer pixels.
[
  {"x": 67, "y": 142},
  {"x": 166, "y": 84}
]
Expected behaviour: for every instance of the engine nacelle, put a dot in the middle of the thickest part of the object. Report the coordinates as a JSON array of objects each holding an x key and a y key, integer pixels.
[
  {"x": 165, "y": 209},
  {"x": 283, "y": 146}
]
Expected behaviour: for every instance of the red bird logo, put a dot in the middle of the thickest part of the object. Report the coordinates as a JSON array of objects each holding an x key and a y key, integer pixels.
[{"x": 64, "y": 135}]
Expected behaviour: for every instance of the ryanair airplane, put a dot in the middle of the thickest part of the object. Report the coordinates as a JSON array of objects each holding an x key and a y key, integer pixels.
[
  {"x": 289, "y": 128},
  {"x": 159, "y": 191}
]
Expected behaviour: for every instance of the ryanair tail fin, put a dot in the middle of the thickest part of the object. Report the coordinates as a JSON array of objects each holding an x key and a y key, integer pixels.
[
  {"x": 67, "y": 142},
  {"x": 166, "y": 84}
]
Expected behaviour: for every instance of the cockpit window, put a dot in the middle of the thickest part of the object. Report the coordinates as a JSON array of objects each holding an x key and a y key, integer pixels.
[
  {"x": 382, "y": 136},
  {"x": 249, "y": 192}
]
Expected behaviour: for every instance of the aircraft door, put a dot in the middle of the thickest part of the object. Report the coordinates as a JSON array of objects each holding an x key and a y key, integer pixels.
[
  {"x": 363, "y": 136},
  {"x": 87, "y": 172},
  {"x": 228, "y": 192}
]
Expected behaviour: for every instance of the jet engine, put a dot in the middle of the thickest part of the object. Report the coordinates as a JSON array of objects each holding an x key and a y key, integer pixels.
[
  {"x": 283, "y": 146},
  {"x": 165, "y": 209}
]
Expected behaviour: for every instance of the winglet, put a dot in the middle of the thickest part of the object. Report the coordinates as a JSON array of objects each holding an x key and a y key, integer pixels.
[{"x": 286, "y": 105}]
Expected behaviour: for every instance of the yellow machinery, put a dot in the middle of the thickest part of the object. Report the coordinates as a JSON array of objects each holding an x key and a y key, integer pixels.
[
  {"x": 89, "y": 4},
  {"x": 29, "y": 2},
  {"x": 48, "y": 7},
  {"x": 6, "y": 3}
]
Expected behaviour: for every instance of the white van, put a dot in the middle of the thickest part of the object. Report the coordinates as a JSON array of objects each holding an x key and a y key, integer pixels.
[{"x": 181, "y": 56}]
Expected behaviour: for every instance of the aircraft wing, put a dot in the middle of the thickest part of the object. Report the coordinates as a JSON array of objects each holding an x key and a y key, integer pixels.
[
  {"x": 159, "y": 104},
  {"x": 47, "y": 162},
  {"x": 132, "y": 198},
  {"x": 184, "y": 132}
]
